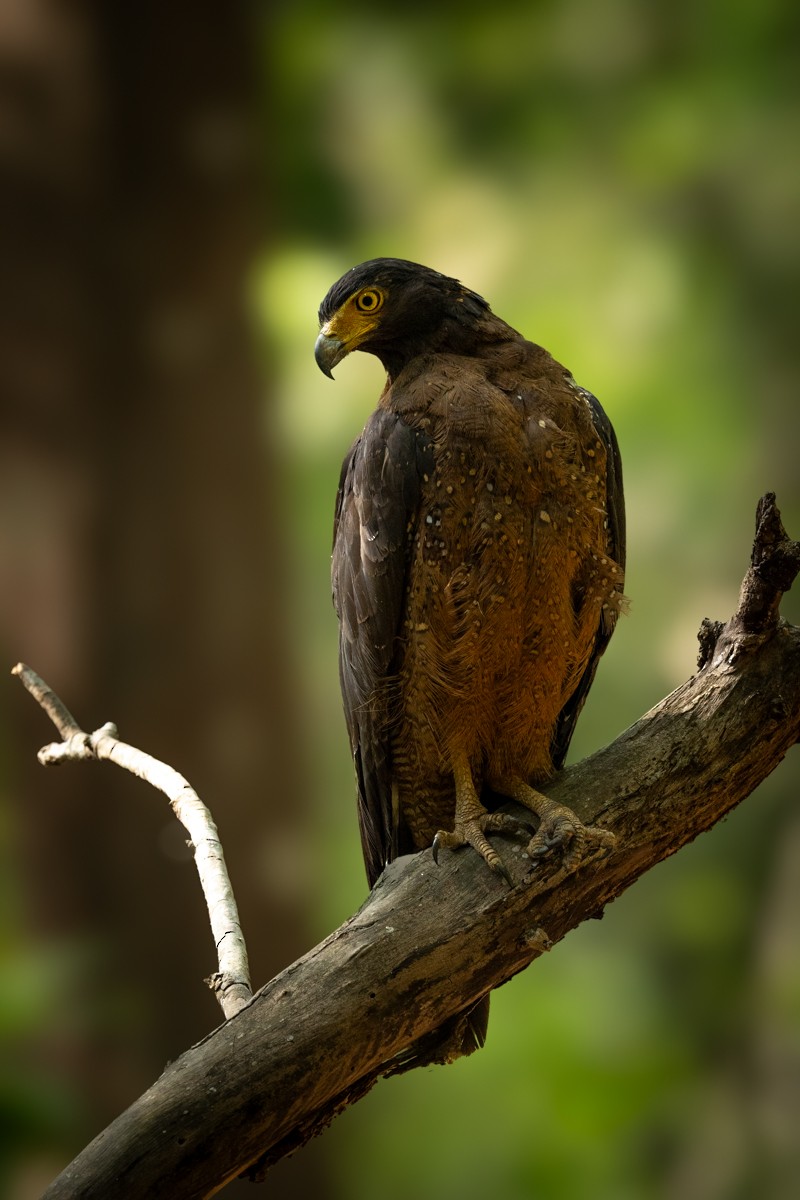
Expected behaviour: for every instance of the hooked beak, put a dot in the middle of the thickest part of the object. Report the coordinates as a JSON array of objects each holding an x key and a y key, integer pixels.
[{"x": 329, "y": 351}]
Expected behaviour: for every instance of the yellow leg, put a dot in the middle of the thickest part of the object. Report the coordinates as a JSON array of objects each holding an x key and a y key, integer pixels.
[
  {"x": 472, "y": 822},
  {"x": 559, "y": 827}
]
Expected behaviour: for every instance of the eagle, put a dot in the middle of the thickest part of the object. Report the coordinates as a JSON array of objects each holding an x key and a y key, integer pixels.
[{"x": 477, "y": 569}]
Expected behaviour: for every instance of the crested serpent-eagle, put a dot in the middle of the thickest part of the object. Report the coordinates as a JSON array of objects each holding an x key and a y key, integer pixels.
[{"x": 478, "y": 565}]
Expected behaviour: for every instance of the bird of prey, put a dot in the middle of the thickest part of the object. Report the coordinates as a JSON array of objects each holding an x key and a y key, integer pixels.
[{"x": 478, "y": 565}]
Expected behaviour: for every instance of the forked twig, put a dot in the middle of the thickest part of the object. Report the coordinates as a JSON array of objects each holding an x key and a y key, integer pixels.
[{"x": 231, "y": 983}]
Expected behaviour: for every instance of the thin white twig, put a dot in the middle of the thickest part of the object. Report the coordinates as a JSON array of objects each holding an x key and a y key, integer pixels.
[{"x": 231, "y": 983}]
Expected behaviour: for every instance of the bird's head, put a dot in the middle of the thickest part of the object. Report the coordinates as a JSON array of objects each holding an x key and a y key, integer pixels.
[{"x": 395, "y": 310}]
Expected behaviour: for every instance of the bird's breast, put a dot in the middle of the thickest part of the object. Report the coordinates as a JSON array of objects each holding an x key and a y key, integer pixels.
[{"x": 508, "y": 562}]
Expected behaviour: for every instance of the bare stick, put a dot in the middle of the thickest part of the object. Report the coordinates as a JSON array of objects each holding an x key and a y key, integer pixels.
[
  {"x": 231, "y": 983},
  {"x": 52, "y": 704}
]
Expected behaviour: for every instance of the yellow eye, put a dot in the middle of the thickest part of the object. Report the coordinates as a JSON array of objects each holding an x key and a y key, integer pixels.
[{"x": 369, "y": 301}]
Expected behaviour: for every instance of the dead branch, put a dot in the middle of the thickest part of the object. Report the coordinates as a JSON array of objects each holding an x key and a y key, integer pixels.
[
  {"x": 429, "y": 940},
  {"x": 231, "y": 983}
]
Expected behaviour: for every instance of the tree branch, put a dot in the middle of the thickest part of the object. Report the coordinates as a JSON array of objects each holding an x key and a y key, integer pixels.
[
  {"x": 231, "y": 983},
  {"x": 429, "y": 940}
]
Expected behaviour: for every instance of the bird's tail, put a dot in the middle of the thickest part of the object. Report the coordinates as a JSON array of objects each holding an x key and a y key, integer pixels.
[{"x": 457, "y": 1037}]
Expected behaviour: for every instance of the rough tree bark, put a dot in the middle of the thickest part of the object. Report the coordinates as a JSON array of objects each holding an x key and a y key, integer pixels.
[{"x": 430, "y": 940}]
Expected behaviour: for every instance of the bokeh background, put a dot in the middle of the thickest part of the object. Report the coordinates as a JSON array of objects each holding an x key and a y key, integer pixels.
[{"x": 179, "y": 186}]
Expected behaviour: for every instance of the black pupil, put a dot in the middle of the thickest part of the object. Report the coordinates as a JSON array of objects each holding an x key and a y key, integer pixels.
[{"x": 368, "y": 300}]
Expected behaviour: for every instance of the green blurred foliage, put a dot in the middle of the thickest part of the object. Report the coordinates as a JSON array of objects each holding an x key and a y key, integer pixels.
[
  {"x": 36, "y": 1109},
  {"x": 621, "y": 181}
]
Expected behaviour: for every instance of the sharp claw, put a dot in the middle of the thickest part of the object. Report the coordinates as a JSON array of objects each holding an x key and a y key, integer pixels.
[
  {"x": 547, "y": 843},
  {"x": 435, "y": 849},
  {"x": 500, "y": 869}
]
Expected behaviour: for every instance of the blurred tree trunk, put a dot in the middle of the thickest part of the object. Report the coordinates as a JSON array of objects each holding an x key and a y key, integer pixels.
[{"x": 141, "y": 555}]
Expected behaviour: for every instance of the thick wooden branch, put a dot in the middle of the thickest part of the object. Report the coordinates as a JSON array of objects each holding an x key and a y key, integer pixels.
[{"x": 430, "y": 939}]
